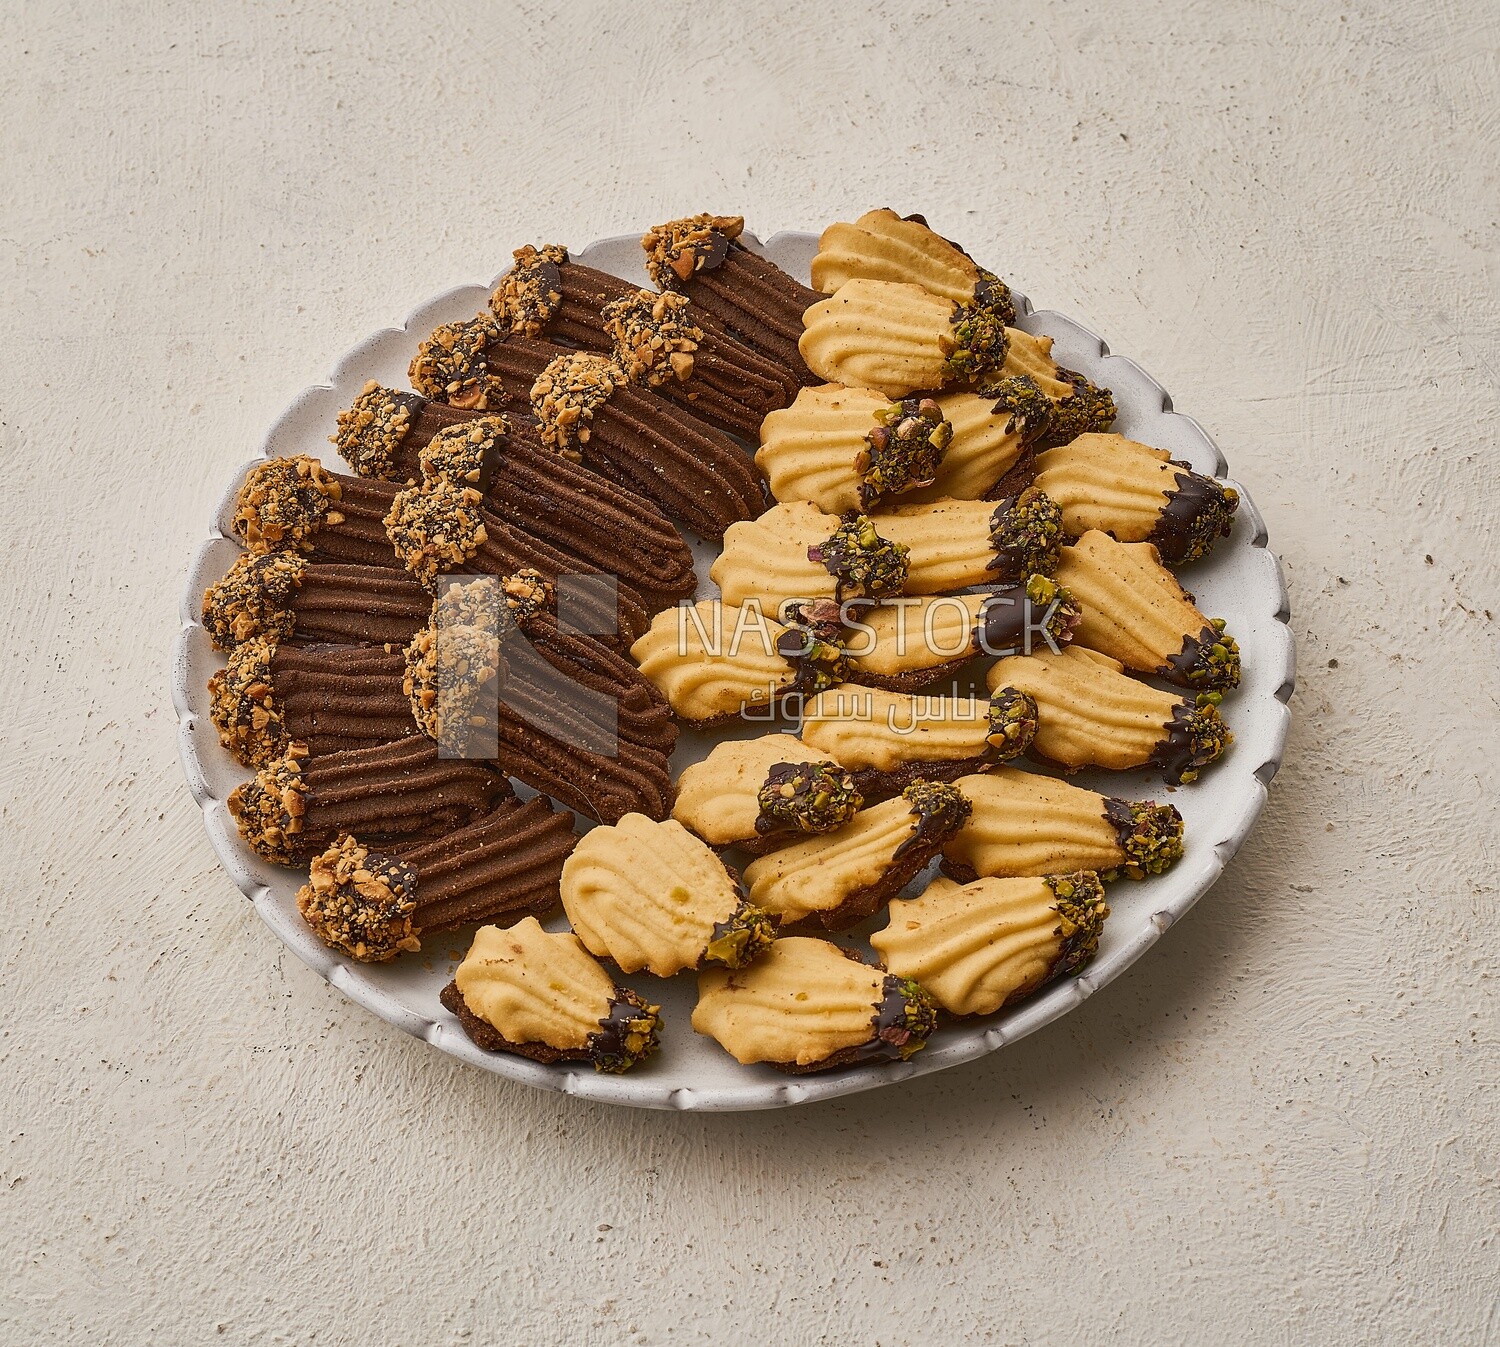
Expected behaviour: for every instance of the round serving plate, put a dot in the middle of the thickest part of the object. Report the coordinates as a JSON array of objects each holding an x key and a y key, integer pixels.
[{"x": 1240, "y": 581}]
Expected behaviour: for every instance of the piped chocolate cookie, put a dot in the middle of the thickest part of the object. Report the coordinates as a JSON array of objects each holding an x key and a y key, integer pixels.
[
  {"x": 807, "y": 1005},
  {"x": 1027, "y": 824},
  {"x": 887, "y": 740},
  {"x": 541, "y": 995},
  {"x": 651, "y": 896},
  {"x": 571, "y": 508},
  {"x": 1092, "y": 714},
  {"x": 884, "y": 246},
  {"x": 297, "y": 806},
  {"x": 1136, "y": 494},
  {"x": 712, "y": 661},
  {"x": 761, "y": 793},
  {"x": 907, "y": 644},
  {"x": 838, "y": 879},
  {"x": 900, "y": 339},
  {"x": 701, "y": 256},
  {"x": 373, "y": 906},
  {"x": 1078, "y": 406},
  {"x": 979, "y": 947},
  {"x": 1134, "y": 610},
  {"x": 586, "y": 409},
  {"x": 281, "y": 594},
  {"x": 845, "y": 449}
]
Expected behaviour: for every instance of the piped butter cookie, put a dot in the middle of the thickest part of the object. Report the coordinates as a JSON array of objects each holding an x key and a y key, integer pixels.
[
  {"x": 884, "y": 246},
  {"x": 711, "y": 661},
  {"x": 541, "y": 995},
  {"x": 1134, "y": 610},
  {"x": 994, "y": 440},
  {"x": 1027, "y": 824},
  {"x": 807, "y": 1005},
  {"x": 844, "y": 449},
  {"x": 900, "y": 339},
  {"x": 701, "y": 256},
  {"x": 1136, "y": 494},
  {"x": 504, "y": 866},
  {"x": 887, "y": 740},
  {"x": 1092, "y": 714},
  {"x": 763, "y": 792},
  {"x": 1078, "y": 406},
  {"x": 953, "y": 544},
  {"x": 652, "y": 896},
  {"x": 982, "y": 946},
  {"x": 840, "y": 878},
  {"x": 907, "y": 644}
]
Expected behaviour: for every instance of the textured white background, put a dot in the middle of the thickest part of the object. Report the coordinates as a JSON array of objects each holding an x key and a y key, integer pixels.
[{"x": 1280, "y": 1127}]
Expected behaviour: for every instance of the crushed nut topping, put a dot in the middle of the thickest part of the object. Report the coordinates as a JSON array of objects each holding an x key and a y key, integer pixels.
[
  {"x": 1081, "y": 911},
  {"x": 458, "y": 453},
  {"x": 1149, "y": 834},
  {"x": 1027, "y": 534},
  {"x": 435, "y": 527},
  {"x": 254, "y": 599},
  {"x": 742, "y": 938},
  {"x": 1031, "y": 410},
  {"x": 568, "y": 393},
  {"x": 1012, "y": 723},
  {"x": 283, "y": 504},
  {"x": 810, "y": 797},
  {"x": 677, "y": 249},
  {"x": 654, "y": 338},
  {"x": 360, "y": 902},
  {"x": 372, "y": 429},
  {"x": 270, "y": 806},
  {"x": 451, "y": 366},
  {"x": 864, "y": 564},
  {"x": 977, "y": 344},
  {"x": 243, "y": 707},
  {"x": 530, "y": 293},
  {"x": 446, "y": 668},
  {"x": 903, "y": 450}
]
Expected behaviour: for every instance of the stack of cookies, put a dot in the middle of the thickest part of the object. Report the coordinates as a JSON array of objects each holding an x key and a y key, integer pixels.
[{"x": 458, "y": 673}]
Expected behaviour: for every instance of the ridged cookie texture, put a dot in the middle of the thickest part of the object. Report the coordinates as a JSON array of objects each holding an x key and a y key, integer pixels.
[
  {"x": 953, "y": 544},
  {"x": 1135, "y": 611},
  {"x": 1090, "y": 713},
  {"x": 982, "y": 946},
  {"x": 652, "y": 896},
  {"x": 840, "y": 878},
  {"x": 898, "y": 339},
  {"x": 992, "y": 437},
  {"x": 844, "y": 448},
  {"x": 542, "y": 995},
  {"x": 725, "y": 797},
  {"x": 1027, "y": 824},
  {"x": 808, "y": 1005},
  {"x": 1135, "y": 494},
  {"x": 711, "y": 661},
  {"x": 797, "y": 552}
]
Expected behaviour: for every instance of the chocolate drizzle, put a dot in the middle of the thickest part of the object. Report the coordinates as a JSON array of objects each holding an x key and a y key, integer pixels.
[
  {"x": 1198, "y": 511},
  {"x": 1019, "y": 618},
  {"x": 630, "y": 1032},
  {"x": 1195, "y": 736},
  {"x": 940, "y": 810},
  {"x": 1210, "y": 660},
  {"x": 904, "y": 1020}
]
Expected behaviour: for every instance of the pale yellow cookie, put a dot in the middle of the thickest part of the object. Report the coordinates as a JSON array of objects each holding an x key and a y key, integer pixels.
[
  {"x": 899, "y": 339},
  {"x": 1031, "y": 354},
  {"x": 1027, "y": 824},
  {"x": 980, "y": 946},
  {"x": 842, "y": 877},
  {"x": 807, "y": 1005},
  {"x": 652, "y": 896},
  {"x": 881, "y": 246},
  {"x": 948, "y": 543},
  {"x": 1090, "y": 713},
  {"x": 1135, "y": 611},
  {"x": 986, "y": 445}
]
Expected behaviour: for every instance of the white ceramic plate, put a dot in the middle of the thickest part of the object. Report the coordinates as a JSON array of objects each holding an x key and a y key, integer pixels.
[{"x": 1241, "y": 582}]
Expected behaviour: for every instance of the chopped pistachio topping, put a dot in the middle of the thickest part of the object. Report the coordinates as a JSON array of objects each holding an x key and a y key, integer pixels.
[
  {"x": 1204, "y": 734},
  {"x": 254, "y": 599},
  {"x": 371, "y": 430},
  {"x": 905, "y": 1018},
  {"x": 360, "y": 902},
  {"x": 1063, "y": 612},
  {"x": 1031, "y": 410},
  {"x": 1088, "y": 408},
  {"x": 1150, "y": 835},
  {"x": 936, "y": 804},
  {"x": 864, "y": 564},
  {"x": 977, "y": 344},
  {"x": 530, "y": 293},
  {"x": 629, "y": 1033},
  {"x": 283, "y": 504},
  {"x": 1209, "y": 660},
  {"x": 451, "y": 365},
  {"x": 903, "y": 450},
  {"x": 445, "y": 671},
  {"x": 809, "y": 797},
  {"x": 435, "y": 527},
  {"x": 1026, "y": 532},
  {"x": 992, "y": 293},
  {"x": 243, "y": 707},
  {"x": 677, "y": 249},
  {"x": 270, "y": 806},
  {"x": 1081, "y": 911},
  {"x": 458, "y": 453},
  {"x": 1013, "y": 722},
  {"x": 566, "y": 396},
  {"x": 1198, "y": 513},
  {"x": 655, "y": 339},
  {"x": 812, "y": 645},
  {"x": 743, "y": 937}
]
